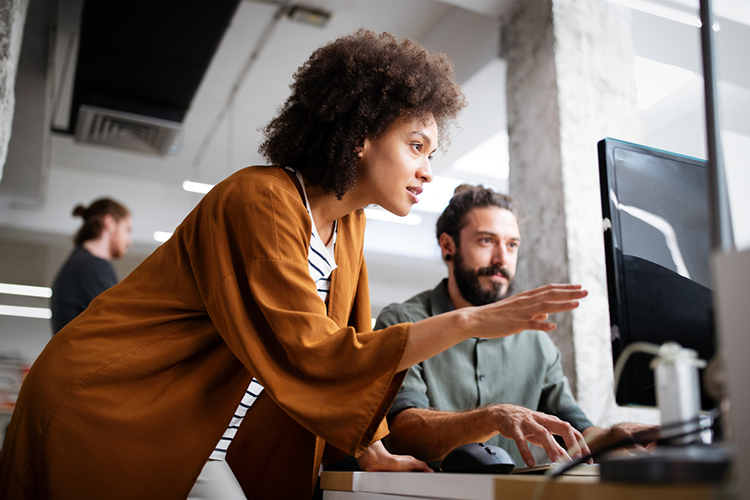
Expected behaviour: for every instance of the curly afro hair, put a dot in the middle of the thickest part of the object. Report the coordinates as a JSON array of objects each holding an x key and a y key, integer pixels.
[{"x": 352, "y": 89}]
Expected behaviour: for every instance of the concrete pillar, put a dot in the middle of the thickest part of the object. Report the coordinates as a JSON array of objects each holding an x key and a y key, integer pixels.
[
  {"x": 27, "y": 159},
  {"x": 570, "y": 84},
  {"x": 12, "y": 17}
]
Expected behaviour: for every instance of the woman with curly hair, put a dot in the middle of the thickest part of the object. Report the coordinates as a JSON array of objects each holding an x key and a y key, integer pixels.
[{"x": 245, "y": 339}]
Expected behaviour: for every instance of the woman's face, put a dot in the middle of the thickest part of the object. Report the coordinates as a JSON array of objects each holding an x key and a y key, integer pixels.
[{"x": 393, "y": 167}]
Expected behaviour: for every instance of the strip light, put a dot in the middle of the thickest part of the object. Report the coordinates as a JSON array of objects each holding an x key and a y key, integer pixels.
[
  {"x": 663, "y": 11},
  {"x": 26, "y": 312},
  {"x": 375, "y": 214},
  {"x": 196, "y": 187},
  {"x": 26, "y": 290}
]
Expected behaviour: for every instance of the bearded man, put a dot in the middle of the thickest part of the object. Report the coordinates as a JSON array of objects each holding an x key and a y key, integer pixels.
[{"x": 507, "y": 391}]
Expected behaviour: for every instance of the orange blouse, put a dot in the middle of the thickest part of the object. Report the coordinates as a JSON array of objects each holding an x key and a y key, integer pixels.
[{"x": 129, "y": 399}]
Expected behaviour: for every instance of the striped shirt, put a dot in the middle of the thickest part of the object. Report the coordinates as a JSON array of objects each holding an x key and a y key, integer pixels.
[{"x": 320, "y": 264}]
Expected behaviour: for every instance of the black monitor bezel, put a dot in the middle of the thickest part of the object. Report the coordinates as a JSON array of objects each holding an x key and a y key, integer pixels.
[{"x": 620, "y": 332}]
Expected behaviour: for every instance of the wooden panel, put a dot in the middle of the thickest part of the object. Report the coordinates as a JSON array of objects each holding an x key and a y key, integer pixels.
[{"x": 372, "y": 485}]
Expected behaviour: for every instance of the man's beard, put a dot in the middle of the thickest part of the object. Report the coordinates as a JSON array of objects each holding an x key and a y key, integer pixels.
[
  {"x": 115, "y": 250},
  {"x": 471, "y": 289}
]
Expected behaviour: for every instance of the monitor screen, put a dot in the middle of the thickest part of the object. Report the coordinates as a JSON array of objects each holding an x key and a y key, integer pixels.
[{"x": 656, "y": 218}]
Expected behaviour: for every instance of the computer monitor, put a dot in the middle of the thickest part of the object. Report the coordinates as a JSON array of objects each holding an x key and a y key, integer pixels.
[{"x": 655, "y": 209}]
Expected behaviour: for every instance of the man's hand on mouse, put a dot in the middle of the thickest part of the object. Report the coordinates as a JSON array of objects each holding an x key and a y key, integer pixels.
[
  {"x": 521, "y": 425},
  {"x": 377, "y": 459}
]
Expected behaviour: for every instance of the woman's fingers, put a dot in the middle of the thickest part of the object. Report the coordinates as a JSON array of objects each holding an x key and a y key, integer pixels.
[
  {"x": 411, "y": 464},
  {"x": 552, "y": 307},
  {"x": 530, "y": 310},
  {"x": 551, "y": 301},
  {"x": 545, "y": 302},
  {"x": 544, "y": 326},
  {"x": 557, "y": 295},
  {"x": 552, "y": 287},
  {"x": 399, "y": 463},
  {"x": 377, "y": 458}
]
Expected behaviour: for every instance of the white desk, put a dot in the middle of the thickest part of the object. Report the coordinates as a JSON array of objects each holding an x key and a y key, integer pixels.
[{"x": 413, "y": 485}]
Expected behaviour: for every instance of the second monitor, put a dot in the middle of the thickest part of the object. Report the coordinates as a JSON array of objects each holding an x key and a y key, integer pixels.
[{"x": 656, "y": 217}]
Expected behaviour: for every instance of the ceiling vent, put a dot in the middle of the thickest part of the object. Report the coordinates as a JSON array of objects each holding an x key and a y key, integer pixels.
[{"x": 118, "y": 129}]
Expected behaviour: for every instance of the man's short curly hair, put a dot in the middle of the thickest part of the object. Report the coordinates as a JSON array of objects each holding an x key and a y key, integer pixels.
[
  {"x": 466, "y": 198},
  {"x": 352, "y": 89}
]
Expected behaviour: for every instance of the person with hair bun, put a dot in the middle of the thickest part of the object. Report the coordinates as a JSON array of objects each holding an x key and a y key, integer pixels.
[
  {"x": 240, "y": 355},
  {"x": 88, "y": 271}
]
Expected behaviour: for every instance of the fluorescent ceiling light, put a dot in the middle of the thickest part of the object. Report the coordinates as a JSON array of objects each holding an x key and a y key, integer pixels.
[
  {"x": 734, "y": 10},
  {"x": 26, "y": 312},
  {"x": 26, "y": 290},
  {"x": 162, "y": 236},
  {"x": 655, "y": 9},
  {"x": 196, "y": 187},
  {"x": 377, "y": 214},
  {"x": 655, "y": 80}
]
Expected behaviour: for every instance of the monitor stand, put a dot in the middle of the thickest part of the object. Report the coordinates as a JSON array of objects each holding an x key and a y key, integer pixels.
[{"x": 692, "y": 463}]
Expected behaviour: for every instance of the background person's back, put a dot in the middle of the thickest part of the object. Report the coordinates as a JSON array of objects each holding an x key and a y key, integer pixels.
[
  {"x": 88, "y": 271},
  {"x": 80, "y": 280}
]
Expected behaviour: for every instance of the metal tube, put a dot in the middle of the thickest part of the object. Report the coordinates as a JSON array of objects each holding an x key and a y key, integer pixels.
[{"x": 722, "y": 236}]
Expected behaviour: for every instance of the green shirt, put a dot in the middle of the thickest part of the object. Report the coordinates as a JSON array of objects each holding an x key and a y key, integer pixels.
[{"x": 522, "y": 369}]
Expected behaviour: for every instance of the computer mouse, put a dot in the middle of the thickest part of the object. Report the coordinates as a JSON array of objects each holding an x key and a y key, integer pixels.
[{"x": 478, "y": 458}]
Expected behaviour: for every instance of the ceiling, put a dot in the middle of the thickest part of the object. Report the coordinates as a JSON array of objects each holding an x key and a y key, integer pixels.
[
  {"x": 149, "y": 58},
  {"x": 222, "y": 85}
]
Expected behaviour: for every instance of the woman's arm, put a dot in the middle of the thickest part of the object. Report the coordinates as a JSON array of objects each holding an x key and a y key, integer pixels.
[{"x": 525, "y": 311}]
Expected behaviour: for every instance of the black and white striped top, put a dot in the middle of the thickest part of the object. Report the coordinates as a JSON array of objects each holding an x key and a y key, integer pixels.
[{"x": 320, "y": 263}]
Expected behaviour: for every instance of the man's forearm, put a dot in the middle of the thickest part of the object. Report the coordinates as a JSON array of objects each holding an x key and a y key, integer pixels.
[{"x": 429, "y": 435}]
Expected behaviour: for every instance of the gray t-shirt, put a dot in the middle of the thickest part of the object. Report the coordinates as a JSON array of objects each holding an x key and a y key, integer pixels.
[
  {"x": 522, "y": 369},
  {"x": 80, "y": 280}
]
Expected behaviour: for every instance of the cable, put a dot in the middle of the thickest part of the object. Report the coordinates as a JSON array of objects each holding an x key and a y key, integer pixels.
[
  {"x": 655, "y": 435},
  {"x": 642, "y": 437},
  {"x": 264, "y": 37},
  {"x": 627, "y": 352},
  {"x": 670, "y": 350}
]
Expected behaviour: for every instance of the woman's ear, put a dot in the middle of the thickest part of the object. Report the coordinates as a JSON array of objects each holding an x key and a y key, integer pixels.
[{"x": 362, "y": 147}]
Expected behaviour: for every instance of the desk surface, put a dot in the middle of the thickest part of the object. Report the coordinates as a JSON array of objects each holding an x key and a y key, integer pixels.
[{"x": 405, "y": 485}]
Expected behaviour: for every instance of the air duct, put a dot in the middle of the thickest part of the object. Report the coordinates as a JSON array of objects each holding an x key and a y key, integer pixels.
[{"x": 118, "y": 129}]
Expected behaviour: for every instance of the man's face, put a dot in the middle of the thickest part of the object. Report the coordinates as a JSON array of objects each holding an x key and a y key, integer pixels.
[
  {"x": 486, "y": 255},
  {"x": 121, "y": 238}
]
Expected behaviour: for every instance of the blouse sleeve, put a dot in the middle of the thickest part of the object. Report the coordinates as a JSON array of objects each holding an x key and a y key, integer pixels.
[{"x": 249, "y": 254}]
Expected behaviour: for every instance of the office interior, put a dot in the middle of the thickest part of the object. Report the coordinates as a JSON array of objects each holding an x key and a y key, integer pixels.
[{"x": 48, "y": 170}]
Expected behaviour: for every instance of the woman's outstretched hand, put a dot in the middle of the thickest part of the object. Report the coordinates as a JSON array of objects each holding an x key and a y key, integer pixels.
[
  {"x": 377, "y": 459},
  {"x": 525, "y": 311}
]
